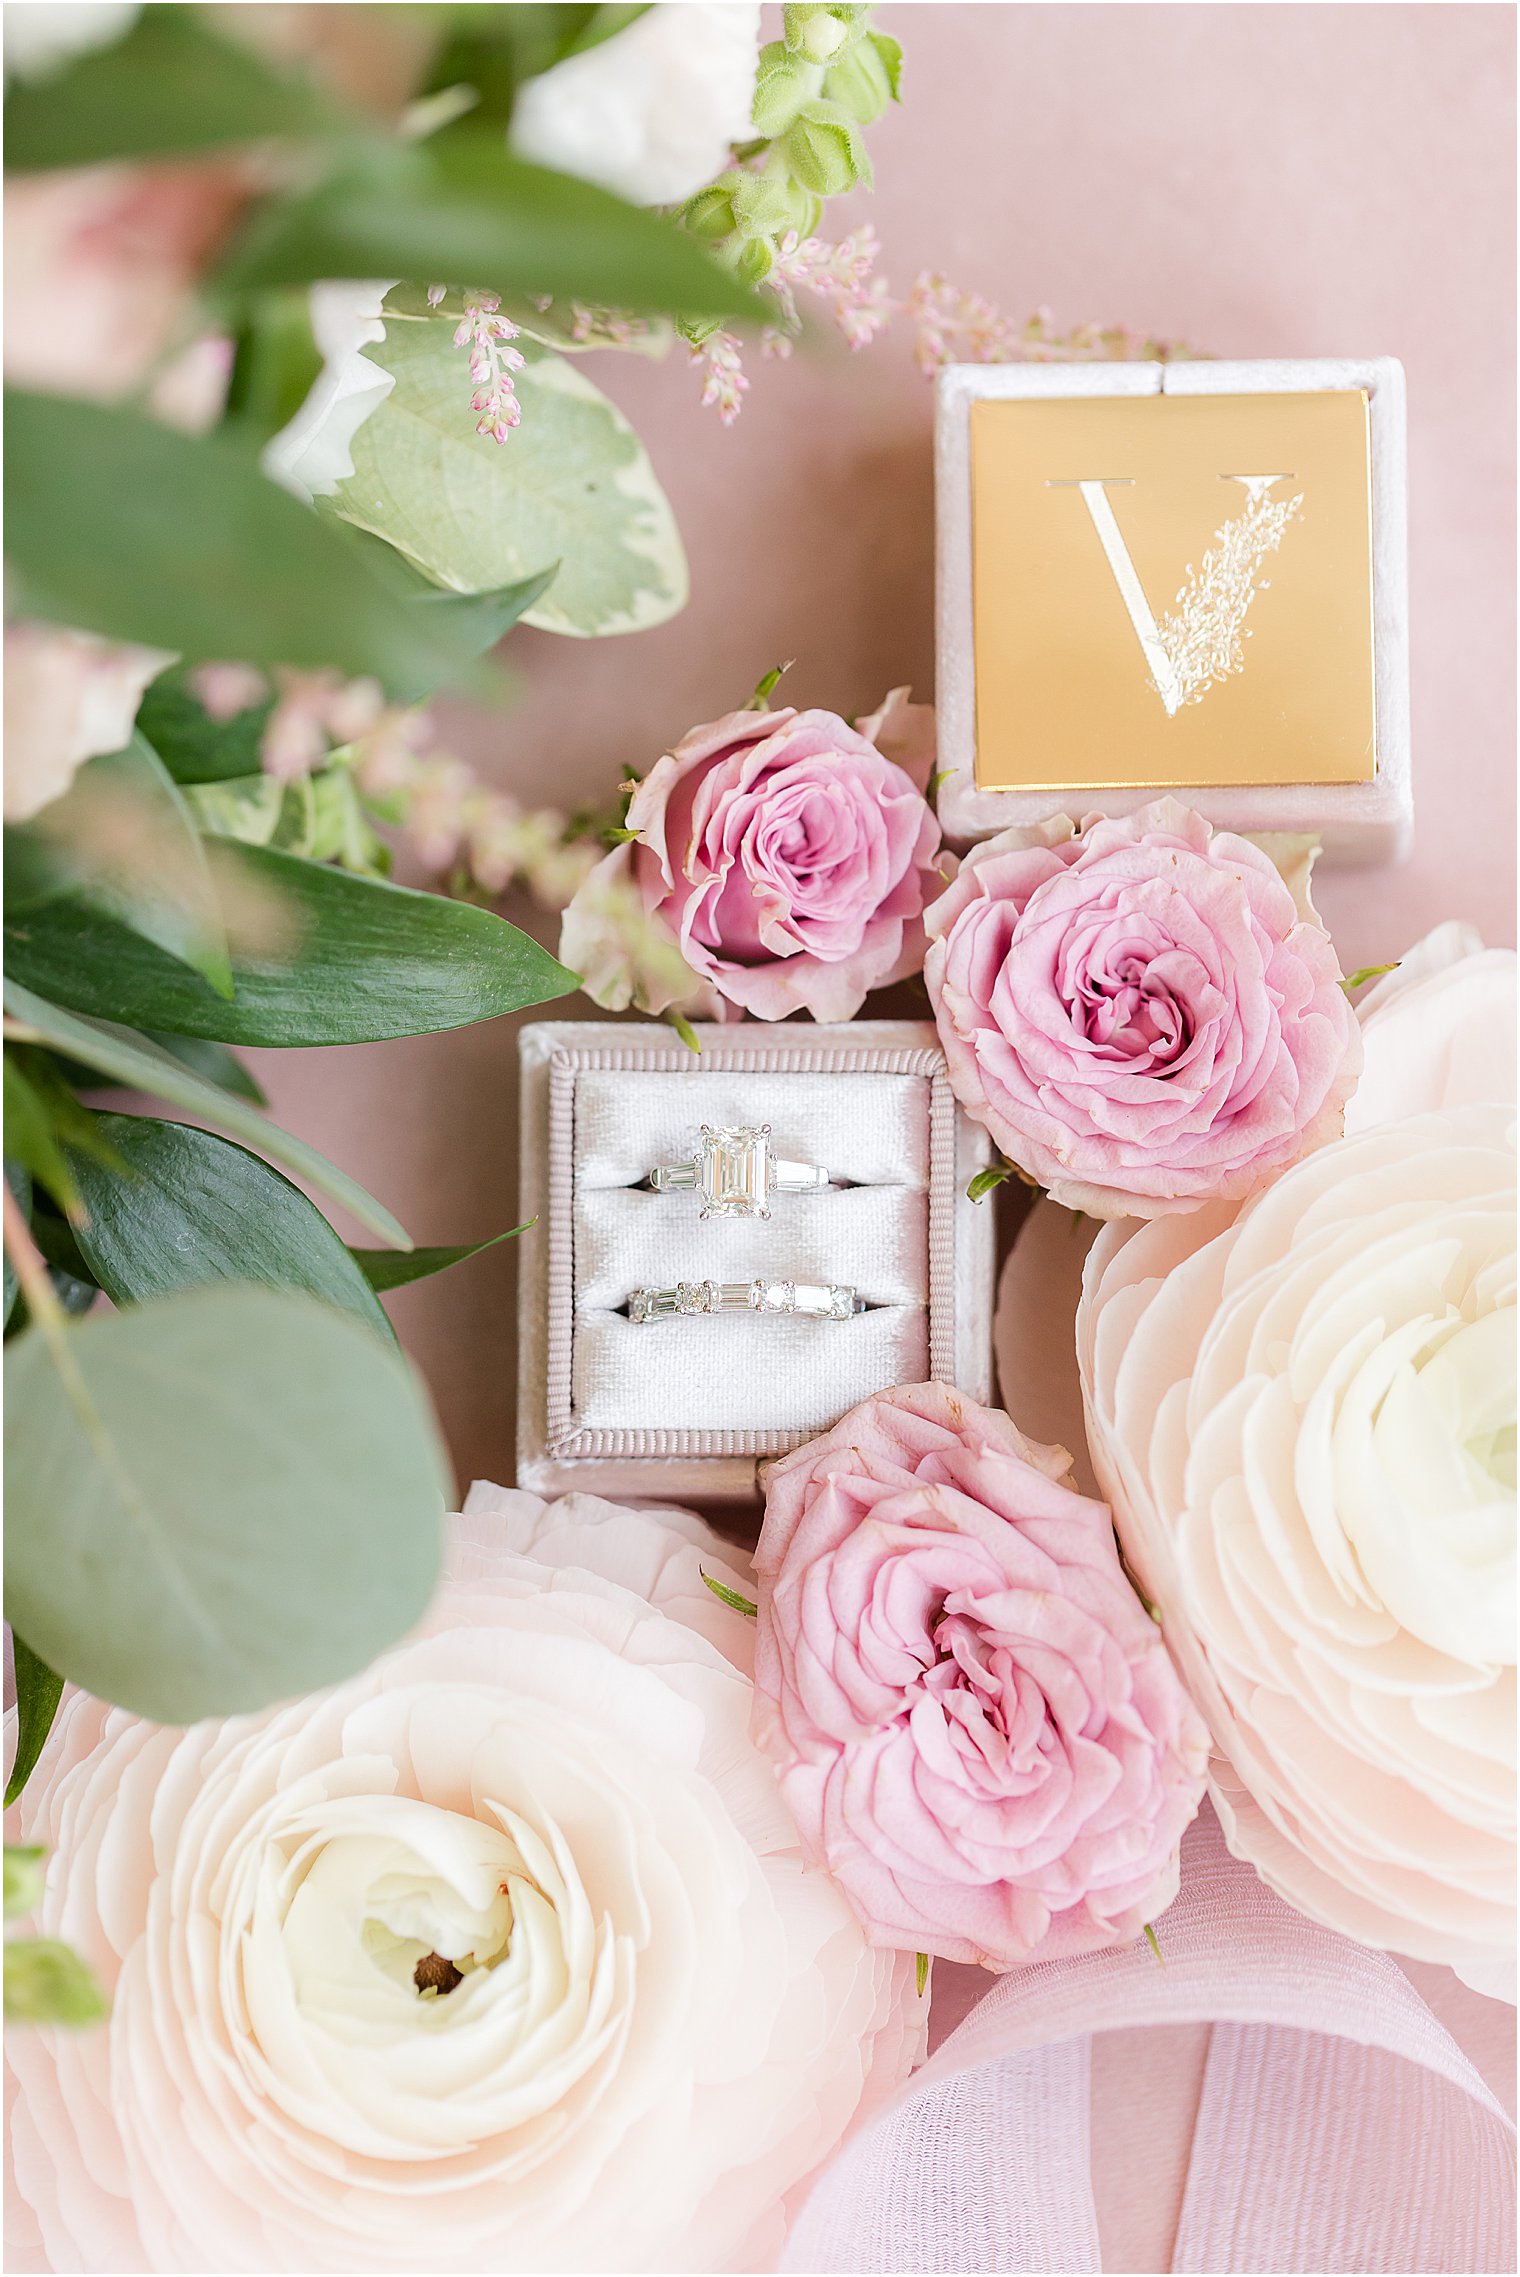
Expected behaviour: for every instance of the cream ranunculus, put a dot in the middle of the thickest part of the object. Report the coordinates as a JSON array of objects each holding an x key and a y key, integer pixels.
[
  {"x": 653, "y": 112},
  {"x": 1303, "y": 1415},
  {"x": 502, "y": 1956}
]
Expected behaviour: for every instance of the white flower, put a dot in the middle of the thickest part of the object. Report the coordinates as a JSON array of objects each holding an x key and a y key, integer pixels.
[
  {"x": 502, "y": 1956},
  {"x": 651, "y": 113},
  {"x": 69, "y": 697},
  {"x": 41, "y": 36},
  {"x": 1303, "y": 1415},
  {"x": 313, "y": 452}
]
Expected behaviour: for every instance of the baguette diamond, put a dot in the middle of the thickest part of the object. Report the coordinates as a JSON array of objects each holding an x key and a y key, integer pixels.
[
  {"x": 809, "y": 1300},
  {"x": 736, "y": 1173}
]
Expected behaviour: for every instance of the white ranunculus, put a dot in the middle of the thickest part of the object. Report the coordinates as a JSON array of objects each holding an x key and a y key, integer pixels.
[
  {"x": 653, "y": 112},
  {"x": 502, "y": 1956},
  {"x": 41, "y": 36},
  {"x": 69, "y": 697},
  {"x": 313, "y": 452},
  {"x": 1303, "y": 1415}
]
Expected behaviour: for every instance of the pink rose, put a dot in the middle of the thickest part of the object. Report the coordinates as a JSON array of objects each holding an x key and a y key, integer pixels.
[
  {"x": 786, "y": 855},
  {"x": 1140, "y": 1013},
  {"x": 975, "y": 1721}
]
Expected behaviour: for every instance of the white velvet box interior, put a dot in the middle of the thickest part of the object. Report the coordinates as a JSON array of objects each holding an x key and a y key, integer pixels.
[{"x": 743, "y": 1371}]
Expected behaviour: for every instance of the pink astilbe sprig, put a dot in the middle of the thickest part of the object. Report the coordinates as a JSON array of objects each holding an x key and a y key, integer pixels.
[
  {"x": 724, "y": 384},
  {"x": 493, "y": 360},
  {"x": 842, "y": 276},
  {"x": 951, "y": 326}
]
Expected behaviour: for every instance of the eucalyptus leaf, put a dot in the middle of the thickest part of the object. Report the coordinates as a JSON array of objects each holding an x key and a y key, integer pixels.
[
  {"x": 130, "y": 1059},
  {"x": 169, "y": 85},
  {"x": 122, "y": 841},
  {"x": 573, "y": 485},
  {"x": 460, "y": 206},
  {"x": 476, "y": 620},
  {"x": 385, "y": 1269},
  {"x": 47, "y": 1983},
  {"x": 224, "y": 1497},
  {"x": 193, "y": 1209},
  {"x": 363, "y": 960},
  {"x": 38, "y": 1692},
  {"x": 191, "y": 548}
]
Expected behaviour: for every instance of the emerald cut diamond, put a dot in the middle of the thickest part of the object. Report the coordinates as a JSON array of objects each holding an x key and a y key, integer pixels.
[{"x": 734, "y": 1171}]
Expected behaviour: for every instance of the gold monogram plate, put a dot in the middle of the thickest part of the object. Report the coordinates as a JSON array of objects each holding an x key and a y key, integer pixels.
[{"x": 1172, "y": 590}]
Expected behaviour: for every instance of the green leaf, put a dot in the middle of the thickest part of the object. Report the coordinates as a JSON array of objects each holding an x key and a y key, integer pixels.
[
  {"x": 25, "y": 1869},
  {"x": 193, "y": 746},
  {"x": 1154, "y": 1943},
  {"x": 30, "y": 1140},
  {"x": 213, "y": 1061},
  {"x": 142, "y": 1066},
  {"x": 745, "y": 1605},
  {"x": 685, "y": 1031},
  {"x": 121, "y": 840},
  {"x": 460, "y": 206},
  {"x": 363, "y": 961},
  {"x": 921, "y": 1971},
  {"x": 986, "y": 1180},
  {"x": 169, "y": 85},
  {"x": 58, "y": 1246},
  {"x": 190, "y": 548},
  {"x": 476, "y": 621},
  {"x": 38, "y": 1692},
  {"x": 385, "y": 1269},
  {"x": 320, "y": 817},
  {"x": 572, "y": 486},
  {"x": 19, "y": 1180},
  {"x": 47, "y": 1983},
  {"x": 194, "y": 1209},
  {"x": 221, "y": 1498}
]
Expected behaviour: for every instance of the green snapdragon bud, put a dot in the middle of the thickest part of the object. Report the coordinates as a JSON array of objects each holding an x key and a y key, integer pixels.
[
  {"x": 822, "y": 33},
  {"x": 711, "y": 212},
  {"x": 825, "y": 151},
  {"x": 865, "y": 81},
  {"x": 783, "y": 83},
  {"x": 755, "y": 261}
]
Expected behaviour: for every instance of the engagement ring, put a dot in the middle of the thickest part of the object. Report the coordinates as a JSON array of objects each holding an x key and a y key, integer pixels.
[
  {"x": 812, "y": 1299},
  {"x": 736, "y": 1173}
]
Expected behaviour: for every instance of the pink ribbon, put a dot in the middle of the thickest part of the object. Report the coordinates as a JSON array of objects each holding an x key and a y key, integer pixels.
[{"x": 1340, "y": 2127}]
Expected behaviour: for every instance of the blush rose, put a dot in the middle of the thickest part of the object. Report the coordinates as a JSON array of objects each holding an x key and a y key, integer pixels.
[
  {"x": 974, "y": 1719},
  {"x": 1139, "y": 1012},
  {"x": 788, "y": 855}
]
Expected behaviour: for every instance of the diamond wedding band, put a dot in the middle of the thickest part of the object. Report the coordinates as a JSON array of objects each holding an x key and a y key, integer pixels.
[
  {"x": 736, "y": 1173},
  {"x": 810, "y": 1299}
]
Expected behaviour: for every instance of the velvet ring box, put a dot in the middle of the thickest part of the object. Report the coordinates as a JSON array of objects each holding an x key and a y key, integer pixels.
[
  {"x": 689, "y": 1405},
  {"x": 1179, "y": 577}
]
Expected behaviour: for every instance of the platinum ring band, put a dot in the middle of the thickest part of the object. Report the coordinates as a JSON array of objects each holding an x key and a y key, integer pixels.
[
  {"x": 810, "y": 1300},
  {"x": 736, "y": 1173}
]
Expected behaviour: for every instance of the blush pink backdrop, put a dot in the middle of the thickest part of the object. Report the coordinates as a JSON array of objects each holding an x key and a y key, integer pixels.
[{"x": 1256, "y": 180}]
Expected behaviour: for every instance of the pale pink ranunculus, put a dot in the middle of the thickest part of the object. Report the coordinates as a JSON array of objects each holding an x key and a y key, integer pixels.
[
  {"x": 786, "y": 855},
  {"x": 69, "y": 697},
  {"x": 1303, "y": 1414},
  {"x": 973, "y": 1717},
  {"x": 1139, "y": 1012},
  {"x": 663, "y": 2019}
]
